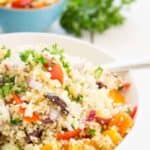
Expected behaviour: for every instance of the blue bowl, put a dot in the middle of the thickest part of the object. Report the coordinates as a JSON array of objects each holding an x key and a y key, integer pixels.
[{"x": 30, "y": 20}]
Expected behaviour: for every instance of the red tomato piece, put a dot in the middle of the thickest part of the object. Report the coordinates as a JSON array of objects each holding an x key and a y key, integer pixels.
[
  {"x": 133, "y": 112},
  {"x": 57, "y": 73},
  {"x": 21, "y": 3}
]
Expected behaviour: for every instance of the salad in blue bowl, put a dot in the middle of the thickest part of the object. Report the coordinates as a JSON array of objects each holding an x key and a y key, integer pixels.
[{"x": 29, "y": 15}]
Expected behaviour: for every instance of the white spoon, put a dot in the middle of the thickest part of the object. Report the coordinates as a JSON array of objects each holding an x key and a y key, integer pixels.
[{"x": 122, "y": 66}]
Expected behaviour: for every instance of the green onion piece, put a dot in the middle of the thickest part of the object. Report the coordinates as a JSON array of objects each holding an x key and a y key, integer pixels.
[
  {"x": 98, "y": 72},
  {"x": 6, "y": 89}
]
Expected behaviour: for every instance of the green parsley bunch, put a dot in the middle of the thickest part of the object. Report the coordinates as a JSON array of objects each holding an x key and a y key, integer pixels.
[{"x": 92, "y": 15}]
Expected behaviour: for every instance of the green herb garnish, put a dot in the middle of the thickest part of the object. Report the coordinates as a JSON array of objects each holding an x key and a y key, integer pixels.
[
  {"x": 6, "y": 85},
  {"x": 6, "y": 89},
  {"x": 56, "y": 50},
  {"x": 26, "y": 54},
  {"x": 40, "y": 59},
  {"x": 65, "y": 64},
  {"x": 120, "y": 88},
  {"x": 37, "y": 58},
  {"x": 7, "y": 78},
  {"x": 8, "y": 54},
  {"x": 5, "y": 53},
  {"x": 91, "y": 132},
  {"x": 98, "y": 72},
  {"x": 79, "y": 98},
  {"x": 20, "y": 88},
  {"x": 15, "y": 121},
  {"x": 92, "y": 15}
]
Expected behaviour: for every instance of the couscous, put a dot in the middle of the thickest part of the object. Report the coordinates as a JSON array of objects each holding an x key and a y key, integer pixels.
[{"x": 52, "y": 101}]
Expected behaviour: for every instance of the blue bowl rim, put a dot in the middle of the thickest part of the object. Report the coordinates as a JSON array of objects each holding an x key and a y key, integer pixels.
[{"x": 30, "y": 9}]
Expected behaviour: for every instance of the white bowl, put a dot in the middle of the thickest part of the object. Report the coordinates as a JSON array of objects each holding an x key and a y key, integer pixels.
[{"x": 76, "y": 48}]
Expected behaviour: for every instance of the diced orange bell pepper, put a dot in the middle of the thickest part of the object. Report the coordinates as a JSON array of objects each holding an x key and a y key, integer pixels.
[
  {"x": 22, "y": 110},
  {"x": 35, "y": 117},
  {"x": 116, "y": 96},
  {"x": 65, "y": 146},
  {"x": 17, "y": 99},
  {"x": 68, "y": 135},
  {"x": 122, "y": 121}
]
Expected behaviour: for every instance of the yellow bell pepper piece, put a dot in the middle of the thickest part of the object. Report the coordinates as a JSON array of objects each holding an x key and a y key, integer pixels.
[
  {"x": 52, "y": 146},
  {"x": 72, "y": 146},
  {"x": 116, "y": 96},
  {"x": 47, "y": 147},
  {"x": 114, "y": 135}
]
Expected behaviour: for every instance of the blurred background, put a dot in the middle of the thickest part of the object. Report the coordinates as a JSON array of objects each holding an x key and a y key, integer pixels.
[{"x": 119, "y": 27}]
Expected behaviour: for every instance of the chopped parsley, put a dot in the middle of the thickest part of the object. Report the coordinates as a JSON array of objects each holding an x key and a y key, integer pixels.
[
  {"x": 6, "y": 89},
  {"x": 4, "y": 53},
  {"x": 91, "y": 132},
  {"x": 79, "y": 98},
  {"x": 7, "y": 78},
  {"x": 40, "y": 59},
  {"x": 6, "y": 85},
  {"x": 94, "y": 16},
  {"x": 8, "y": 54},
  {"x": 20, "y": 88},
  {"x": 26, "y": 54},
  {"x": 56, "y": 50},
  {"x": 15, "y": 121},
  {"x": 37, "y": 58},
  {"x": 65, "y": 64}
]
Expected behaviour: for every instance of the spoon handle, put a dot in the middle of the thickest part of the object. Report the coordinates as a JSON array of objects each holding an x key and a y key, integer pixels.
[{"x": 120, "y": 66}]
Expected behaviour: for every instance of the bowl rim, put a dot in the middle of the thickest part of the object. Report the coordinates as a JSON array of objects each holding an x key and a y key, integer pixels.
[
  {"x": 137, "y": 119},
  {"x": 30, "y": 9},
  {"x": 82, "y": 41}
]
